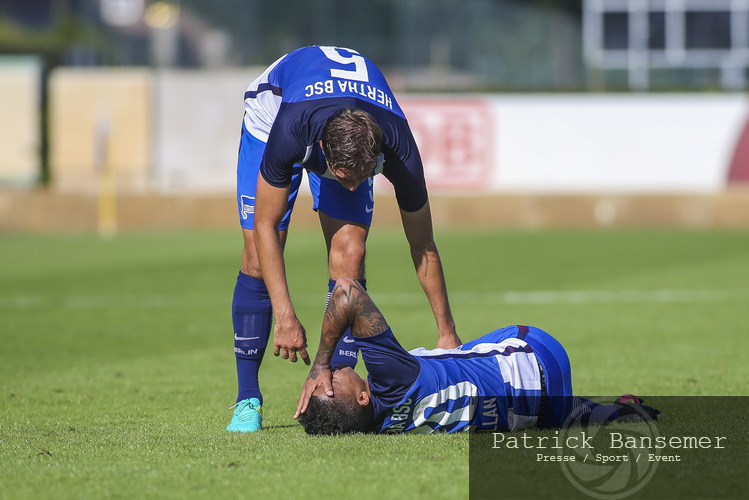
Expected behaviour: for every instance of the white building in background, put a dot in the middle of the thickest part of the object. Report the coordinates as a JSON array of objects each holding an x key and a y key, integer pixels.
[{"x": 644, "y": 35}]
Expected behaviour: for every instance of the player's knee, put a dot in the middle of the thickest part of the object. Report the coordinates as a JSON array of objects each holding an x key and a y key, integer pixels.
[{"x": 348, "y": 257}]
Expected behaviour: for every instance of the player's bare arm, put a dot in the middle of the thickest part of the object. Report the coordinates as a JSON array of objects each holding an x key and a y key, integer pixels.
[
  {"x": 289, "y": 336},
  {"x": 364, "y": 317},
  {"x": 418, "y": 229},
  {"x": 349, "y": 306}
]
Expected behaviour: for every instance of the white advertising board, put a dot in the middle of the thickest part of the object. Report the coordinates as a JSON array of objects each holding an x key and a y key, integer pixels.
[
  {"x": 20, "y": 124},
  {"x": 633, "y": 143}
]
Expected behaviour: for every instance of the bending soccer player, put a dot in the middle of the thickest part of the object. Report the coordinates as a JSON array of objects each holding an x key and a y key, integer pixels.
[
  {"x": 329, "y": 111},
  {"x": 514, "y": 378}
]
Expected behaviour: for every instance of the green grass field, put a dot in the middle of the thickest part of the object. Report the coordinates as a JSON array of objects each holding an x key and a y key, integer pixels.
[{"x": 117, "y": 366}]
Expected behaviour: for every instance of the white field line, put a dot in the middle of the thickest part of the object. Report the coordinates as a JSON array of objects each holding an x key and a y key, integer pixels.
[
  {"x": 594, "y": 297},
  {"x": 582, "y": 297},
  {"x": 538, "y": 297}
]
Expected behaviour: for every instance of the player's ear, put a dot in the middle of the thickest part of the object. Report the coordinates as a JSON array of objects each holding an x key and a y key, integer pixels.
[{"x": 362, "y": 398}]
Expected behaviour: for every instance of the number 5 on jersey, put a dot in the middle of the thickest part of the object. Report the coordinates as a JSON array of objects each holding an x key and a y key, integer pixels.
[{"x": 359, "y": 73}]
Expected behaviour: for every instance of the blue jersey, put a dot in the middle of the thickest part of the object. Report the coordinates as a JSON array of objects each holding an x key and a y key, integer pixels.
[
  {"x": 288, "y": 105},
  {"x": 488, "y": 384}
]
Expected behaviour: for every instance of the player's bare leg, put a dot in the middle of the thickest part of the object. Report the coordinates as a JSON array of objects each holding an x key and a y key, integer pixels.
[
  {"x": 346, "y": 242},
  {"x": 250, "y": 261}
]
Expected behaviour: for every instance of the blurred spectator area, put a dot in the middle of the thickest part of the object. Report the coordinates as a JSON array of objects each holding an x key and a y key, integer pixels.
[
  {"x": 425, "y": 45},
  {"x": 517, "y": 45}
]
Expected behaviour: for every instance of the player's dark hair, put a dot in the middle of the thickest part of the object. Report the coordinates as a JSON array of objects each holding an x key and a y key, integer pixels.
[
  {"x": 352, "y": 139},
  {"x": 330, "y": 417}
]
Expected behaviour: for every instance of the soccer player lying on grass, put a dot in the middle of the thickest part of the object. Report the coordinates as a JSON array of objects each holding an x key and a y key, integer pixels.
[{"x": 513, "y": 378}]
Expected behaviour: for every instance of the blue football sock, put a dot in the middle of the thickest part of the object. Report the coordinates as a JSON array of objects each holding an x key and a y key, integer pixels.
[
  {"x": 346, "y": 352},
  {"x": 252, "y": 317}
]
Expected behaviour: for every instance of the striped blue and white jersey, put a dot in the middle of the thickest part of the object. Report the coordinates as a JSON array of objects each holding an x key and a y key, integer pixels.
[
  {"x": 485, "y": 386},
  {"x": 288, "y": 105}
]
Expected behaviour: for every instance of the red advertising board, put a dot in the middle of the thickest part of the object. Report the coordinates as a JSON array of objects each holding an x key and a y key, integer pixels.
[
  {"x": 455, "y": 139},
  {"x": 739, "y": 169}
]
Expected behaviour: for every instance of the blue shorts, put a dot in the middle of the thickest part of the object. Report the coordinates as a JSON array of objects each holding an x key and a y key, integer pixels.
[
  {"x": 329, "y": 196},
  {"x": 554, "y": 362}
]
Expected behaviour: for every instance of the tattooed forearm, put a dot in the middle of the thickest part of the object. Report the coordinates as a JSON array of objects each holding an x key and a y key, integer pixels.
[
  {"x": 360, "y": 312},
  {"x": 334, "y": 325},
  {"x": 329, "y": 338},
  {"x": 314, "y": 372},
  {"x": 349, "y": 307}
]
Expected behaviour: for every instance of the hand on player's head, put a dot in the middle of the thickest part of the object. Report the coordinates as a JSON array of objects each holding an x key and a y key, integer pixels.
[
  {"x": 336, "y": 415},
  {"x": 348, "y": 410}
]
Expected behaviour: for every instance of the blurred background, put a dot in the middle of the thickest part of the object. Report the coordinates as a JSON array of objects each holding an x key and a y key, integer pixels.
[{"x": 126, "y": 113}]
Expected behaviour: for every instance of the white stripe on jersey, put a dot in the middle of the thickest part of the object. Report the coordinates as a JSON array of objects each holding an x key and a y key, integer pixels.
[
  {"x": 260, "y": 112},
  {"x": 522, "y": 373},
  {"x": 457, "y": 351},
  {"x": 459, "y": 390}
]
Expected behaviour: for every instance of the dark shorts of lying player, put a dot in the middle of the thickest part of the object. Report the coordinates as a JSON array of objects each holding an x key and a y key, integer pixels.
[{"x": 513, "y": 378}]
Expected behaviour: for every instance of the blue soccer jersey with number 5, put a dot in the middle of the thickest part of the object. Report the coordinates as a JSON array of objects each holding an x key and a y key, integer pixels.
[{"x": 288, "y": 105}]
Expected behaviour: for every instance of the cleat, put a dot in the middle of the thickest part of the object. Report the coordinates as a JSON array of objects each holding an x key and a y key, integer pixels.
[
  {"x": 629, "y": 398},
  {"x": 248, "y": 416},
  {"x": 631, "y": 409}
]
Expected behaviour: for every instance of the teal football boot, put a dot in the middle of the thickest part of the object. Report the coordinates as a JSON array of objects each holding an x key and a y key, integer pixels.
[{"x": 248, "y": 416}]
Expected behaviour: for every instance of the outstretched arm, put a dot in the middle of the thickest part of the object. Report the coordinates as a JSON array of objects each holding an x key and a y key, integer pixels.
[
  {"x": 289, "y": 336},
  {"x": 418, "y": 228},
  {"x": 349, "y": 306}
]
